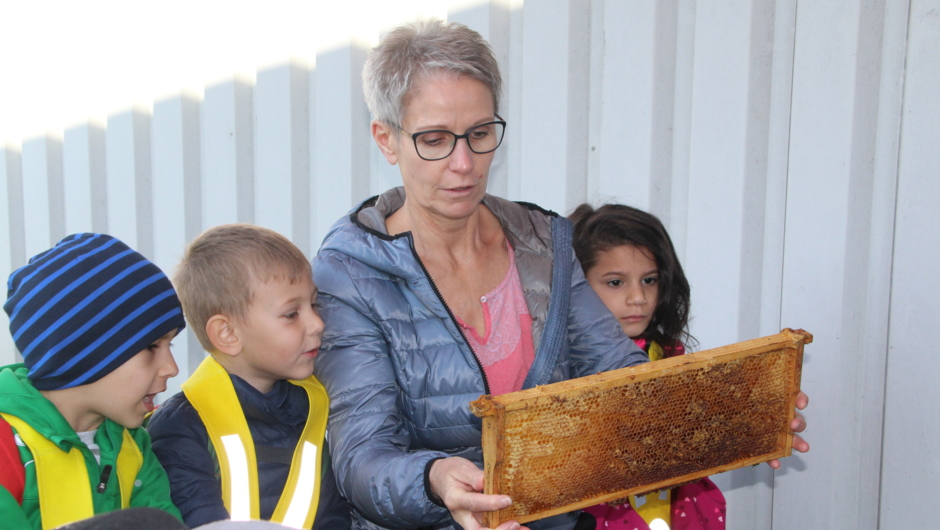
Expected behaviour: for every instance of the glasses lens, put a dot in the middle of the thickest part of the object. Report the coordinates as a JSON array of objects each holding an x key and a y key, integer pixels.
[
  {"x": 434, "y": 145},
  {"x": 485, "y": 138}
]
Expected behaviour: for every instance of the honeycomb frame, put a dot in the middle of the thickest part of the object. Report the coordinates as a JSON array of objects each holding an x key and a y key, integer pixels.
[{"x": 641, "y": 429}]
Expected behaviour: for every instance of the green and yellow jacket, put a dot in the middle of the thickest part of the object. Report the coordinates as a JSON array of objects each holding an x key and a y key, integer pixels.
[{"x": 148, "y": 487}]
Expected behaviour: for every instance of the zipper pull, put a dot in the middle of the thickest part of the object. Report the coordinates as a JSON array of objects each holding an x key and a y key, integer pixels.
[{"x": 105, "y": 475}]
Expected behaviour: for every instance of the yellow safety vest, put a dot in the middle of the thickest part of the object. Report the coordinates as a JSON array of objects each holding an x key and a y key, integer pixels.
[
  {"x": 211, "y": 393},
  {"x": 654, "y": 509},
  {"x": 62, "y": 478}
]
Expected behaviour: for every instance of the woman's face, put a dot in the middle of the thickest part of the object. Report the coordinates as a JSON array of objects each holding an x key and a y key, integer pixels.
[{"x": 453, "y": 187}]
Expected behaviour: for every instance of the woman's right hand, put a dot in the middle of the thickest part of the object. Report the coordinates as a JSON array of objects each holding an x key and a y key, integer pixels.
[{"x": 458, "y": 483}]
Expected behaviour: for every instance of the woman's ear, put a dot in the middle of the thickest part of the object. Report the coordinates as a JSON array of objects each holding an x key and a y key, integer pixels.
[
  {"x": 223, "y": 335},
  {"x": 384, "y": 138}
]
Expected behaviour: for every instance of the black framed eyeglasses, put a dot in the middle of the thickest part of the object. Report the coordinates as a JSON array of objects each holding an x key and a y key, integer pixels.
[{"x": 438, "y": 144}]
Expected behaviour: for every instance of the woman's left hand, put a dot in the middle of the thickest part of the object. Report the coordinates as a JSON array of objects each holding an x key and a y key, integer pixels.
[
  {"x": 458, "y": 483},
  {"x": 797, "y": 425}
]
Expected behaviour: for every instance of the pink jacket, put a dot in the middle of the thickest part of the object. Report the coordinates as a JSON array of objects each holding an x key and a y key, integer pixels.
[{"x": 696, "y": 506}]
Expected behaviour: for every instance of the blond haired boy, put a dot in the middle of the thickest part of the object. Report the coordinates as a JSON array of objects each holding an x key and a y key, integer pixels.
[{"x": 245, "y": 438}]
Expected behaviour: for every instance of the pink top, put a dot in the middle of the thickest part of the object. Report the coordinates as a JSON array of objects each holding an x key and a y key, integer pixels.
[{"x": 506, "y": 352}]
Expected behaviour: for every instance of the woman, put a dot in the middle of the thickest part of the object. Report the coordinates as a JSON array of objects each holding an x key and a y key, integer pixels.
[{"x": 435, "y": 293}]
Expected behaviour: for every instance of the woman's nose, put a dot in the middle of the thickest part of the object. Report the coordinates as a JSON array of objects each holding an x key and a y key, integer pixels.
[{"x": 461, "y": 159}]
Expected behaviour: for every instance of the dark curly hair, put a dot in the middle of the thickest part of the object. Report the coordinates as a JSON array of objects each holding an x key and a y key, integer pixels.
[{"x": 613, "y": 225}]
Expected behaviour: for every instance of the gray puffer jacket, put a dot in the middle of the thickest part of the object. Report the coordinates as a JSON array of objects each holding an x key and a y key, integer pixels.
[{"x": 399, "y": 372}]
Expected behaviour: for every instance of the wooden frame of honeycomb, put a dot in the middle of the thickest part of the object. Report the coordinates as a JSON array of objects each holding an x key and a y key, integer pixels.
[{"x": 577, "y": 443}]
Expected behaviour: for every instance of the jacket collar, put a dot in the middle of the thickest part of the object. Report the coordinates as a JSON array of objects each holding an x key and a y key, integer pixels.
[
  {"x": 19, "y": 398},
  {"x": 522, "y": 231}
]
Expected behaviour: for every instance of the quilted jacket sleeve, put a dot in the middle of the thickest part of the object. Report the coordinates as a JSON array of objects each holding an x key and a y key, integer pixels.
[
  {"x": 596, "y": 340},
  {"x": 375, "y": 467}
]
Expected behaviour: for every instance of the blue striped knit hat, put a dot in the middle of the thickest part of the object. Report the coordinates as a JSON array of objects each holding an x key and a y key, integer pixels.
[{"x": 84, "y": 307}]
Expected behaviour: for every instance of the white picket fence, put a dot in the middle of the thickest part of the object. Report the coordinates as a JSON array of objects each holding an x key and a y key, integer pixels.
[{"x": 791, "y": 148}]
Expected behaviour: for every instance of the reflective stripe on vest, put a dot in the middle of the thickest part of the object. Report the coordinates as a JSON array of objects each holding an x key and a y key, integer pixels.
[
  {"x": 211, "y": 393},
  {"x": 62, "y": 478}
]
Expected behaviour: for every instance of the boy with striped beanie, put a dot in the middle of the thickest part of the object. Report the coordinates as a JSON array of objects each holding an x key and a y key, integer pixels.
[{"x": 93, "y": 320}]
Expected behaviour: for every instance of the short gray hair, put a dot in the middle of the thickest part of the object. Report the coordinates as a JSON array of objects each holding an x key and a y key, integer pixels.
[{"x": 412, "y": 52}]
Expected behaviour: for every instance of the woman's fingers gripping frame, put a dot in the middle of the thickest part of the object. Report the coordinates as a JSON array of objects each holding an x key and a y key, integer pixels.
[{"x": 458, "y": 483}]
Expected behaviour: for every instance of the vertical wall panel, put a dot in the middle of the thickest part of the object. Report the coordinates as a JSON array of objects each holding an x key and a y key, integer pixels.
[
  {"x": 831, "y": 279},
  {"x": 867, "y": 284},
  {"x": 513, "y": 102},
  {"x": 312, "y": 138},
  {"x": 682, "y": 127},
  {"x": 44, "y": 219},
  {"x": 177, "y": 201},
  {"x": 717, "y": 180},
  {"x": 757, "y": 130},
  {"x": 631, "y": 147},
  {"x": 176, "y": 176},
  {"x": 911, "y": 431},
  {"x": 624, "y": 147},
  {"x": 85, "y": 179},
  {"x": 555, "y": 86},
  {"x": 282, "y": 174},
  {"x": 663, "y": 106},
  {"x": 228, "y": 154},
  {"x": 751, "y": 489},
  {"x": 13, "y": 205},
  {"x": 777, "y": 165},
  {"x": 817, "y": 210},
  {"x": 596, "y": 110},
  {"x": 12, "y": 236},
  {"x": 130, "y": 210},
  {"x": 342, "y": 138}
]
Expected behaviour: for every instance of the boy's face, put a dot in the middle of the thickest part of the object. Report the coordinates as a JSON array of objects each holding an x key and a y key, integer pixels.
[
  {"x": 125, "y": 396},
  {"x": 280, "y": 335}
]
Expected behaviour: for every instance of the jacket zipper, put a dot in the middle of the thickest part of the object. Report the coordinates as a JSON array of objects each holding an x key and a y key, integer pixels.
[{"x": 486, "y": 383}]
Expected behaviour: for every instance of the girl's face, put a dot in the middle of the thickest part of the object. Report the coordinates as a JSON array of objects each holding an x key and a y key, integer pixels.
[{"x": 627, "y": 280}]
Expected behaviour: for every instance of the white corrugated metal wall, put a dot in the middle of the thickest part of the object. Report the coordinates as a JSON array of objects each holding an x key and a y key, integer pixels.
[{"x": 790, "y": 147}]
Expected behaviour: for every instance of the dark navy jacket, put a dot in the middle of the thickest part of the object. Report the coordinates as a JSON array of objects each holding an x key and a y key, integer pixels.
[{"x": 276, "y": 420}]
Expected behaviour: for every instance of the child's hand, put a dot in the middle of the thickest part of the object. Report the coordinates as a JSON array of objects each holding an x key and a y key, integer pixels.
[{"x": 797, "y": 425}]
